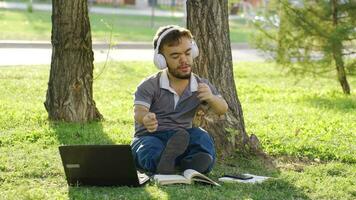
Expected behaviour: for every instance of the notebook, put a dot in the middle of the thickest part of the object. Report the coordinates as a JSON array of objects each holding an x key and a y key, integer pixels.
[{"x": 100, "y": 165}]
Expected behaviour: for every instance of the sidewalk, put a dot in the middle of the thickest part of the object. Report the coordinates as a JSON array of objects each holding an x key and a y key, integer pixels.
[
  {"x": 120, "y": 45},
  {"x": 42, "y": 56},
  {"x": 39, "y": 52}
]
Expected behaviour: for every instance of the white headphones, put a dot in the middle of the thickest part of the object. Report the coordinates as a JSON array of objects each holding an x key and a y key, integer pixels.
[{"x": 159, "y": 60}]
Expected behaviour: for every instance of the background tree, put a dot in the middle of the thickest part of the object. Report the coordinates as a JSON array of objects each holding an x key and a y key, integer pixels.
[
  {"x": 313, "y": 36},
  {"x": 70, "y": 87},
  {"x": 208, "y": 22}
]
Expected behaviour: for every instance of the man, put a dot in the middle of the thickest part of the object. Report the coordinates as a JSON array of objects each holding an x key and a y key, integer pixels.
[{"x": 164, "y": 107}]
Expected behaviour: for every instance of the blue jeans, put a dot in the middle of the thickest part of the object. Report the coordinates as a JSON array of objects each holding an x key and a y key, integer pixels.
[{"x": 147, "y": 149}]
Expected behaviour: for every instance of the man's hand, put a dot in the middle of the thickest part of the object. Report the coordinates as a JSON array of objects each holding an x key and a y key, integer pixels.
[
  {"x": 204, "y": 93},
  {"x": 150, "y": 122},
  {"x": 218, "y": 104}
]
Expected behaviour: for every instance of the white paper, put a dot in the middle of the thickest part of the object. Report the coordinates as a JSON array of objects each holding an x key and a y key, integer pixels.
[{"x": 255, "y": 179}]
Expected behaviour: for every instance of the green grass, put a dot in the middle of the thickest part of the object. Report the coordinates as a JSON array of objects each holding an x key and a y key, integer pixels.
[
  {"x": 37, "y": 26},
  {"x": 307, "y": 117},
  {"x": 308, "y": 126}
]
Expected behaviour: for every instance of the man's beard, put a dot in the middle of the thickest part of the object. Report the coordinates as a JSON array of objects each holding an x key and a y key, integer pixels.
[{"x": 175, "y": 73}]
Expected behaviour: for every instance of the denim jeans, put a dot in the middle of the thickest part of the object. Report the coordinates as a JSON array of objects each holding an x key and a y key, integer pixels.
[{"x": 147, "y": 149}]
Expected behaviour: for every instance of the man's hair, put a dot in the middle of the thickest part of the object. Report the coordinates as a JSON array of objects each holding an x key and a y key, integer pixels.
[{"x": 172, "y": 38}]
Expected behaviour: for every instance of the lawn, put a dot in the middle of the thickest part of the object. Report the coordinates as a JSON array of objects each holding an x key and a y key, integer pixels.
[
  {"x": 307, "y": 126},
  {"x": 37, "y": 26}
]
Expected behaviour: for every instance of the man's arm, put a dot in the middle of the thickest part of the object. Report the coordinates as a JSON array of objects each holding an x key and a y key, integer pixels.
[
  {"x": 217, "y": 103},
  {"x": 145, "y": 117}
]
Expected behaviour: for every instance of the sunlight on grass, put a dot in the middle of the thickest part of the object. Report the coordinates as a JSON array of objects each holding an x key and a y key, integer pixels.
[
  {"x": 37, "y": 26},
  {"x": 156, "y": 193},
  {"x": 308, "y": 120},
  {"x": 311, "y": 118}
]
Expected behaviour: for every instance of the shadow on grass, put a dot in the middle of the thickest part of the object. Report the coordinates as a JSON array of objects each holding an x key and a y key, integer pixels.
[
  {"x": 76, "y": 133},
  {"x": 107, "y": 193},
  {"x": 274, "y": 188},
  {"x": 342, "y": 104},
  {"x": 89, "y": 133}
]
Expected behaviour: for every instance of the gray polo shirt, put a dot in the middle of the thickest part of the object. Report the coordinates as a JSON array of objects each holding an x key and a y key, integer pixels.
[{"x": 172, "y": 111}]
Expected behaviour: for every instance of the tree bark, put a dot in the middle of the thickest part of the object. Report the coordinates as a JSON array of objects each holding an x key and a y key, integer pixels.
[
  {"x": 340, "y": 68},
  {"x": 70, "y": 87},
  {"x": 337, "y": 52},
  {"x": 208, "y": 22}
]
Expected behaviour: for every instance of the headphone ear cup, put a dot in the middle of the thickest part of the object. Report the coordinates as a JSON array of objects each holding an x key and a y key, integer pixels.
[
  {"x": 159, "y": 61},
  {"x": 195, "y": 49}
]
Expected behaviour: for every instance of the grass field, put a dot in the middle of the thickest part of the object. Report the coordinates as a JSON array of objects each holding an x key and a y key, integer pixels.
[
  {"x": 37, "y": 26},
  {"x": 309, "y": 128}
]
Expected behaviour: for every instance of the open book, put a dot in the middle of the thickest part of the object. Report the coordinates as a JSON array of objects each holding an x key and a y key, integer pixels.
[{"x": 189, "y": 176}]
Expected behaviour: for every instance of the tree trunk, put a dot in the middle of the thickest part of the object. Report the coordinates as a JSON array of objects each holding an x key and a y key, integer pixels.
[
  {"x": 208, "y": 22},
  {"x": 337, "y": 52},
  {"x": 70, "y": 86},
  {"x": 340, "y": 68}
]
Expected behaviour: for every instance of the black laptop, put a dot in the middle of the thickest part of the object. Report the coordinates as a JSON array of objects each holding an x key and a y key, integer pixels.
[{"x": 100, "y": 165}]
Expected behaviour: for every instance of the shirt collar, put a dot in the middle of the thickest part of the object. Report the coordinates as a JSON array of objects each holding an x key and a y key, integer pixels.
[{"x": 164, "y": 82}]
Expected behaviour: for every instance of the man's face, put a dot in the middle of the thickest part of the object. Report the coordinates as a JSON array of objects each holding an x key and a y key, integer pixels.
[{"x": 179, "y": 58}]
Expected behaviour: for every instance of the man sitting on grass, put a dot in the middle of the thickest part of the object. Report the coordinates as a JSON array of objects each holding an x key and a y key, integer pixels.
[{"x": 165, "y": 104}]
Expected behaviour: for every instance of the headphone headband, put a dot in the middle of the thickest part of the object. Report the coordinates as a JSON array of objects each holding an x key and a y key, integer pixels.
[{"x": 160, "y": 38}]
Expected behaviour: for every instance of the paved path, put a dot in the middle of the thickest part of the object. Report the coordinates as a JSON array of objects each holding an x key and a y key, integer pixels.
[
  {"x": 96, "y": 45},
  {"x": 20, "y": 52},
  {"x": 37, "y": 56}
]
